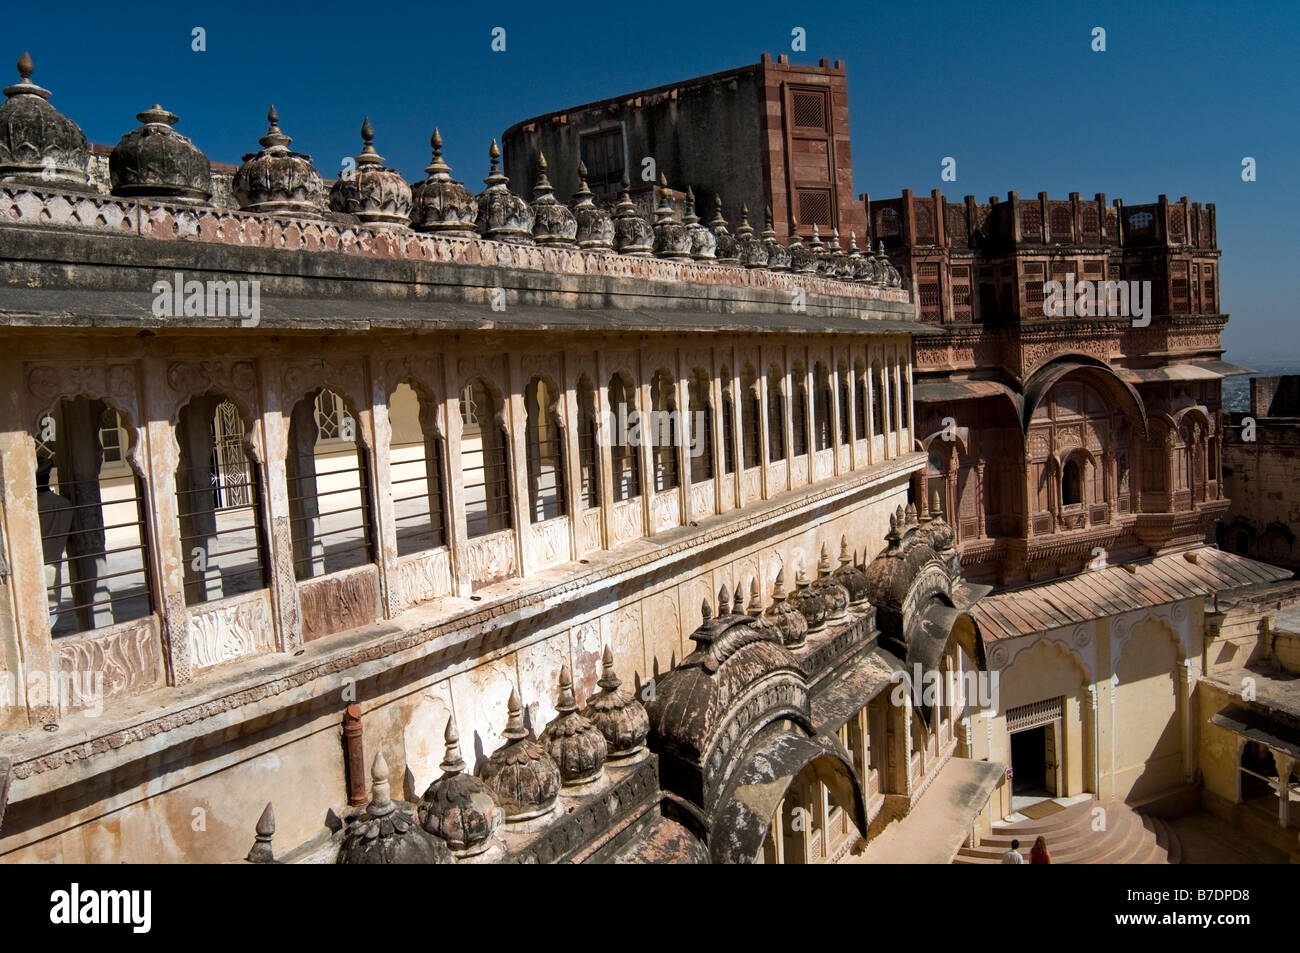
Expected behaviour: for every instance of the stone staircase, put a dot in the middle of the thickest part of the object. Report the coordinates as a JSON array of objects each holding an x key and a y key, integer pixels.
[{"x": 1129, "y": 838}]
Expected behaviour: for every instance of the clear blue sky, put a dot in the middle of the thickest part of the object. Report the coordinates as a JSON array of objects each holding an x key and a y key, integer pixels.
[{"x": 1012, "y": 91}]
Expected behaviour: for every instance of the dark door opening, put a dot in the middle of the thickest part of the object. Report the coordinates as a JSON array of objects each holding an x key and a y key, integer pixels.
[{"x": 1029, "y": 761}]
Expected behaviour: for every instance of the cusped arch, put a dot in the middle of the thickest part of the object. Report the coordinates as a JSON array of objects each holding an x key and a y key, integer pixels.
[{"x": 1090, "y": 370}]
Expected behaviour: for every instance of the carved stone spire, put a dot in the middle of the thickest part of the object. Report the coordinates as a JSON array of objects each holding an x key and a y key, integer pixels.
[
  {"x": 262, "y": 852},
  {"x": 374, "y": 194},
  {"x": 617, "y": 713},
  {"x": 573, "y": 742},
  {"x": 753, "y": 253},
  {"x": 502, "y": 215},
  {"x": 553, "y": 223},
  {"x": 276, "y": 179},
  {"x": 39, "y": 145},
  {"x": 440, "y": 204},
  {"x": 595, "y": 226},
  {"x": 459, "y": 807},
  {"x": 520, "y": 772},
  {"x": 778, "y": 256},
  {"x": 724, "y": 243},
  {"x": 632, "y": 233},
  {"x": 671, "y": 240},
  {"x": 704, "y": 247}
]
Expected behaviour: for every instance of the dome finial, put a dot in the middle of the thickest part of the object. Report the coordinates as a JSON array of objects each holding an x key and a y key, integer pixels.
[
  {"x": 778, "y": 589},
  {"x": 368, "y": 154},
  {"x": 824, "y": 564},
  {"x": 724, "y": 600},
  {"x": 25, "y": 67},
  {"x": 275, "y": 139},
  {"x": 437, "y": 168},
  {"x": 381, "y": 802},
  {"x": 706, "y": 613},
  {"x": 515, "y": 726},
  {"x": 452, "y": 762},
  {"x": 495, "y": 176},
  {"x": 262, "y": 852},
  {"x": 567, "y": 702},
  {"x": 608, "y": 679},
  {"x": 25, "y": 86}
]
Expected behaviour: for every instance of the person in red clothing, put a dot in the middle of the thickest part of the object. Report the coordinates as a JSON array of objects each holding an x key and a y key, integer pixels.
[{"x": 1038, "y": 854}]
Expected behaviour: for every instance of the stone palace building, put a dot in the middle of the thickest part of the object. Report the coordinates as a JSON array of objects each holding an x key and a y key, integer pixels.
[{"x": 370, "y": 521}]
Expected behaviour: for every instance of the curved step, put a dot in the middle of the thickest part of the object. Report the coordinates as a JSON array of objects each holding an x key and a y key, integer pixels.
[{"x": 1129, "y": 838}]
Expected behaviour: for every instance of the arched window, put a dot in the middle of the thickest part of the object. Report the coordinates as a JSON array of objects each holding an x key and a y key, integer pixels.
[
  {"x": 92, "y": 514},
  {"x": 415, "y": 462},
  {"x": 627, "y": 472},
  {"x": 1072, "y": 483},
  {"x": 329, "y": 488},
  {"x": 484, "y": 461},
  {"x": 728, "y": 425},
  {"x": 775, "y": 415},
  {"x": 846, "y": 429},
  {"x": 822, "y": 407},
  {"x": 544, "y": 446},
  {"x": 665, "y": 429},
  {"x": 588, "y": 458},
  {"x": 752, "y": 415},
  {"x": 877, "y": 399},
  {"x": 799, "y": 411},
  {"x": 700, "y": 427},
  {"x": 218, "y": 502},
  {"x": 905, "y": 395},
  {"x": 860, "y": 400},
  {"x": 893, "y": 401}
]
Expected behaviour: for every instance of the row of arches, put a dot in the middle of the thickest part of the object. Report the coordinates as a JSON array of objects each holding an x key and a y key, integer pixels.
[{"x": 95, "y": 509}]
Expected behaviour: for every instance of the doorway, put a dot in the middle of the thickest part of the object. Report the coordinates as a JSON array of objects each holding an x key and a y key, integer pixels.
[{"x": 1034, "y": 761}]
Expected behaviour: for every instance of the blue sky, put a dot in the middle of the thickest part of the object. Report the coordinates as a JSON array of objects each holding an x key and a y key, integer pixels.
[{"x": 1013, "y": 91}]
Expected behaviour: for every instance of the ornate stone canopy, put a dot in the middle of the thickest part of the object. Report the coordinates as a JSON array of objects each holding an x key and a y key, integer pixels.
[
  {"x": 385, "y": 832},
  {"x": 574, "y": 743},
  {"x": 458, "y": 807},
  {"x": 155, "y": 160},
  {"x": 521, "y": 774},
  {"x": 38, "y": 144},
  {"x": 502, "y": 215},
  {"x": 276, "y": 179},
  {"x": 373, "y": 193},
  {"x": 440, "y": 204}
]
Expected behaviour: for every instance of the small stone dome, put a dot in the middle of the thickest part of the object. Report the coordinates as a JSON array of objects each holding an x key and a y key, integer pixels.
[
  {"x": 157, "y": 161},
  {"x": 553, "y": 223},
  {"x": 386, "y": 833},
  {"x": 617, "y": 713},
  {"x": 276, "y": 179},
  {"x": 459, "y": 807},
  {"x": 753, "y": 253},
  {"x": 632, "y": 234},
  {"x": 810, "y": 602},
  {"x": 782, "y": 617},
  {"x": 936, "y": 532},
  {"x": 860, "y": 264},
  {"x": 830, "y": 588},
  {"x": 890, "y": 574},
  {"x": 803, "y": 259},
  {"x": 520, "y": 772},
  {"x": 671, "y": 240},
  {"x": 886, "y": 274},
  {"x": 440, "y": 204},
  {"x": 853, "y": 579},
  {"x": 724, "y": 243},
  {"x": 371, "y": 192},
  {"x": 595, "y": 225},
  {"x": 778, "y": 256},
  {"x": 704, "y": 247},
  {"x": 502, "y": 215},
  {"x": 573, "y": 742},
  {"x": 840, "y": 266},
  {"x": 38, "y": 144}
]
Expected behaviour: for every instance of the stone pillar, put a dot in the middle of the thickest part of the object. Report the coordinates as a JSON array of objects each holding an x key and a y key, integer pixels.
[
  {"x": 833, "y": 376},
  {"x": 385, "y": 515},
  {"x": 197, "y": 511},
  {"x": 274, "y": 427},
  {"x": 886, "y": 397},
  {"x": 683, "y": 449},
  {"x": 606, "y": 425},
  {"x": 645, "y": 452},
  {"x": 516, "y": 435},
  {"x": 1284, "y": 763},
  {"x": 870, "y": 382},
  {"x": 573, "y": 499},
  {"x": 1236, "y": 770},
  {"x": 764, "y": 433},
  {"x": 304, "y": 507},
  {"x": 78, "y": 457}
]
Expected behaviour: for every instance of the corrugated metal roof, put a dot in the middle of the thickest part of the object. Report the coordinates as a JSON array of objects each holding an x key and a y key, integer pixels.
[{"x": 1112, "y": 590}]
